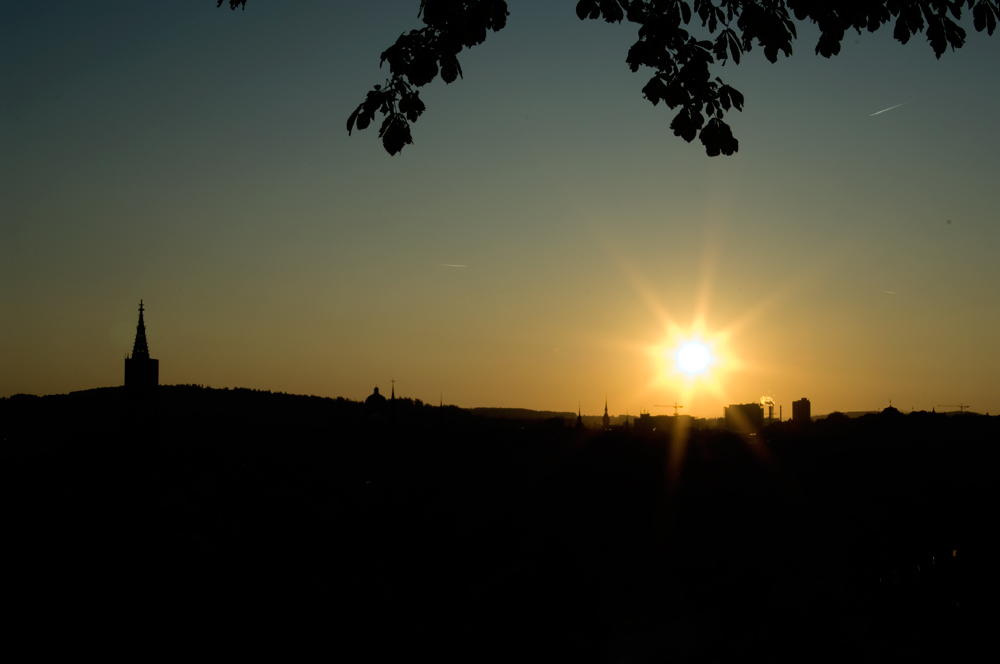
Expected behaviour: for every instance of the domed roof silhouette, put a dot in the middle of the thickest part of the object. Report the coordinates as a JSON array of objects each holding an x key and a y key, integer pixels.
[{"x": 375, "y": 400}]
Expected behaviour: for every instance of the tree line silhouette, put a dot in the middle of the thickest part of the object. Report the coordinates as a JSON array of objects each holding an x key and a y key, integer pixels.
[{"x": 257, "y": 522}]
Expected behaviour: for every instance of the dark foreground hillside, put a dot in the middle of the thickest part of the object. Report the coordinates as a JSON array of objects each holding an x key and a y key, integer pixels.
[{"x": 264, "y": 525}]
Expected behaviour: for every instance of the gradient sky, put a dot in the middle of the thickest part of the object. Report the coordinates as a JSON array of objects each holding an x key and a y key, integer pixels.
[{"x": 197, "y": 158}]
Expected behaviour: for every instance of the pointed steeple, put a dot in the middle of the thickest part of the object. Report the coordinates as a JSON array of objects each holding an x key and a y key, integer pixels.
[
  {"x": 605, "y": 404},
  {"x": 140, "y": 349},
  {"x": 142, "y": 377},
  {"x": 393, "y": 397}
]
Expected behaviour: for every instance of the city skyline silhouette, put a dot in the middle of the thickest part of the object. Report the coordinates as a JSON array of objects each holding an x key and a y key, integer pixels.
[
  {"x": 142, "y": 375},
  {"x": 261, "y": 523},
  {"x": 561, "y": 372}
]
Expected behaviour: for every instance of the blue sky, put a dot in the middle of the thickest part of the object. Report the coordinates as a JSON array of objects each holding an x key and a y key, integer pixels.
[{"x": 198, "y": 159}]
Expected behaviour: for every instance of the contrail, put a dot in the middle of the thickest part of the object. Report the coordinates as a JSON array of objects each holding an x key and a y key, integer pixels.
[
  {"x": 889, "y": 292},
  {"x": 451, "y": 265},
  {"x": 886, "y": 109}
]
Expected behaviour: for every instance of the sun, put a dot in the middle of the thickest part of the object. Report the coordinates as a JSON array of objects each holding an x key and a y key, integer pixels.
[
  {"x": 693, "y": 358},
  {"x": 693, "y": 363}
]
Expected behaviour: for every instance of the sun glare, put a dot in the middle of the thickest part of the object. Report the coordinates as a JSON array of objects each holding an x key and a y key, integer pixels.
[
  {"x": 693, "y": 358},
  {"x": 694, "y": 363}
]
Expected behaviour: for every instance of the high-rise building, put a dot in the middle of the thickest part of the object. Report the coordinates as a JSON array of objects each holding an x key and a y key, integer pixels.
[
  {"x": 801, "y": 411},
  {"x": 744, "y": 417}
]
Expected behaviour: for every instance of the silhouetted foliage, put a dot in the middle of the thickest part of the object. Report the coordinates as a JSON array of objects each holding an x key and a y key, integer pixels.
[{"x": 680, "y": 60}]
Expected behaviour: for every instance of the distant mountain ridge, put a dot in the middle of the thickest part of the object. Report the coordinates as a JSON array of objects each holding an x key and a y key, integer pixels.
[
  {"x": 853, "y": 414},
  {"x": 520, "y": 413},
  {"x": 101, "y": 409},
  {"x": 96, "y": 408}
]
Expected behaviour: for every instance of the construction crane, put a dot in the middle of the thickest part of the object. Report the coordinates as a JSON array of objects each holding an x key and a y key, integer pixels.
[
  {"x": 961, "y": 407},
  {"x": 675, "y": 407}
]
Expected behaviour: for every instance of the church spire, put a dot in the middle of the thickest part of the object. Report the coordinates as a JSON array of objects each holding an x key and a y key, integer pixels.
[
  {"x": 140, "y": 349},
  {"x": 142, "y": 376}
]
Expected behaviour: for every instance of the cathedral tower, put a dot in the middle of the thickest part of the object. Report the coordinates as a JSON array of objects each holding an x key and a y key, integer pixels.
[{"x": 142, "y": 377}]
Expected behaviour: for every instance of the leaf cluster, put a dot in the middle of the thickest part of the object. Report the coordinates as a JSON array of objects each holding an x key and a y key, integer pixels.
[
  {"x": 681, "y": 63},
  {"x": 682, "y": 78},
  {"x": 418, "y": 57}
]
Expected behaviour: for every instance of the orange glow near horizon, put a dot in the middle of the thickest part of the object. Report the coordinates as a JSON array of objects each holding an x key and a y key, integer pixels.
[
  {"x": 702, "y": 362},
  {"x": 690, "y": 362}
]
